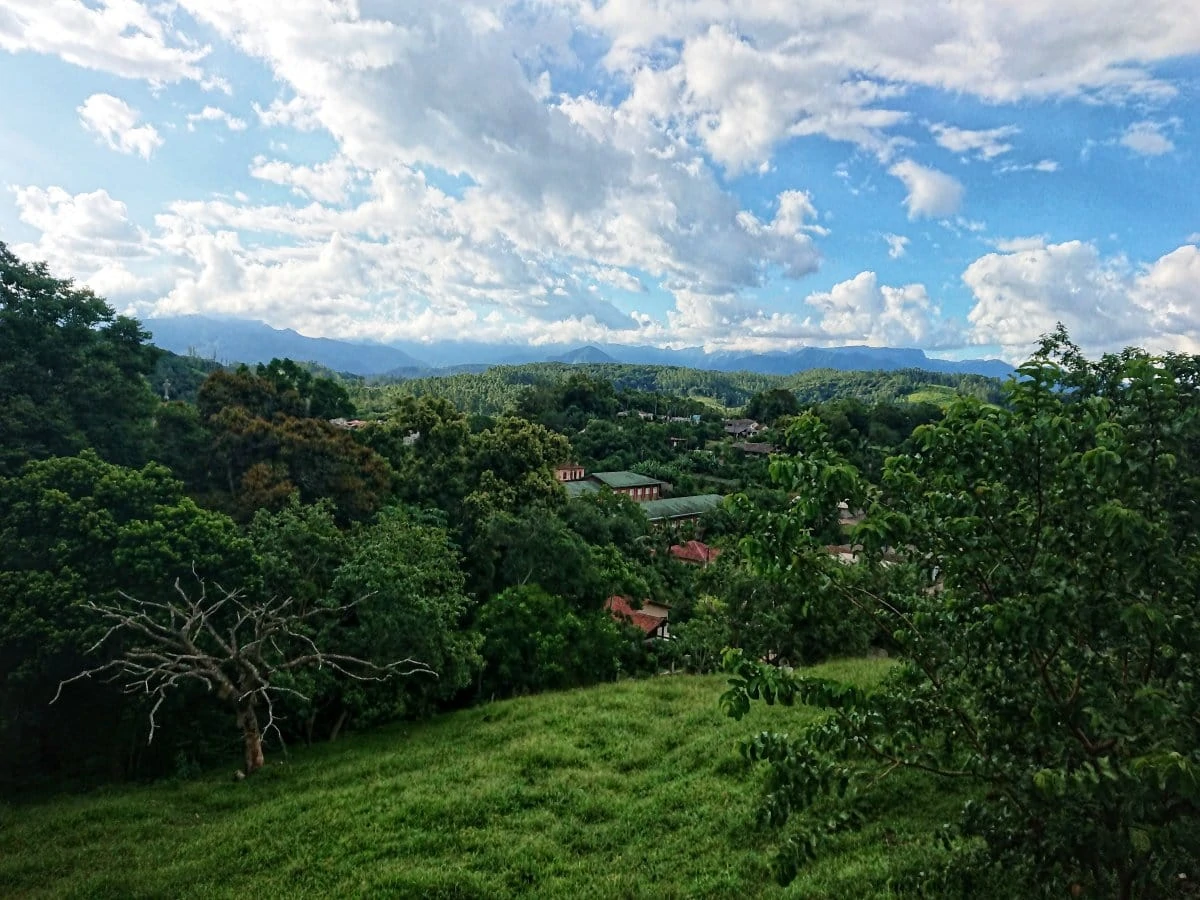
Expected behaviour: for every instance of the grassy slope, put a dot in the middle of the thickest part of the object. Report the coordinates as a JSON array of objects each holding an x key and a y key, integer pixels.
[{"x": 626, "y": 790}]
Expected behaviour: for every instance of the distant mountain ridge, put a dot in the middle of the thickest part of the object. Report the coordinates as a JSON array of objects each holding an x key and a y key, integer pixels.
[{"x": 243, "y": 340}]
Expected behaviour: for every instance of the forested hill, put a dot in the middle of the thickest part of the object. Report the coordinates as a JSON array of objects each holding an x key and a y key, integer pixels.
[{"x": 500, "y": 389}]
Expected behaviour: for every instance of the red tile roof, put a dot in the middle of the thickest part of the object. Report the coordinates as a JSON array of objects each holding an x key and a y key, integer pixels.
[
  {"x": 695, "y": 551},
  {"x": 622, "y": 611}
]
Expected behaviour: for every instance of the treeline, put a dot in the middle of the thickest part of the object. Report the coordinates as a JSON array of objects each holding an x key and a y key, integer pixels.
[{"x": 502, "y": 389}]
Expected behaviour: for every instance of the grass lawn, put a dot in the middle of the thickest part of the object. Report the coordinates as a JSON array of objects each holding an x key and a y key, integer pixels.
[{"x": 632, "y": 789}]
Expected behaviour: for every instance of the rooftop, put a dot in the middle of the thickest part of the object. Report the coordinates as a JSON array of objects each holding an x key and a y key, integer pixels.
[
  {"x": 695, "y": 551},
  {"x": 621, "y": 608},
  {"x": 681, "y": 507},
  {"x": 579, "y": 488},
  {"x": 616, "y": 480}
]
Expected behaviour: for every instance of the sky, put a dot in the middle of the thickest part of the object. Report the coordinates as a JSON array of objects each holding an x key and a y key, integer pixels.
[{"x": 954, "y": 175}]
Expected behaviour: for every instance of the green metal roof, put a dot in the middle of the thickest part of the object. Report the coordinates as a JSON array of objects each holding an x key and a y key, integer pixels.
[
  {"x": 579, "y": 488},
  {"x": 679, "y": 507},
  {"x": 617, "y": 480}
]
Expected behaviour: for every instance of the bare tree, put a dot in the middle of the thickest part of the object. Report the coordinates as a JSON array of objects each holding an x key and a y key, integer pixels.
[{"x": 238, "y": 649}]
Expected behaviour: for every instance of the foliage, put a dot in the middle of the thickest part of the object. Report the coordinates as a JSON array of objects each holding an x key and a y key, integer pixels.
[
  {"x": 73, "y": 530},
  {"x": 533, "y": 641},
  {"x": 1043, "y": 595},
  {"x": 561, "y": 394},
  {"x": 414, "y": 607},
  {"x": 265, "y": 445},
  {"x": 768, "y": 406},
  {"x": 72, "y": 373},
  {"x": 244, "y": 651}
]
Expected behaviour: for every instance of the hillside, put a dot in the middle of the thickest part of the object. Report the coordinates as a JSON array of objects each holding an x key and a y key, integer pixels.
[
  {"x": 499, "y": 389},
  {"x": 632, "y": 789}
]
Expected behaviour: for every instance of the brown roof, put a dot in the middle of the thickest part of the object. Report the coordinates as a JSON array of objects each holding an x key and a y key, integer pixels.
[
  {"x": 695, "y": 551},
  {"x": 622, "y": 611}
]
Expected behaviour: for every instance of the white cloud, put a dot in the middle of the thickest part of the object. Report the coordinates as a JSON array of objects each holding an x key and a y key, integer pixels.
[
  {"x": 986, "y": 144},
  {"x": 89, "y": 236},
  {"x": 559, "y": 198},
  {"x": 1105, "y": 303},
  {"x": 931, "y": 193},
  {"x": 122, "y": 37},
  {"x": 1044, "y": 165},
  {"x": 897, "y": 245},
  {"x": 1148, "y": 138},
  {"x": 1193, "y": 238},
  {"x": 115, "y": 122},
  {"x": 326, "y": 182},
  {"x": 863, "y": 310},
  {"x": 216, "y": 114}
]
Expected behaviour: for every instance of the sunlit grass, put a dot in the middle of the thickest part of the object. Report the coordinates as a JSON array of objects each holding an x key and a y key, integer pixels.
[{"x": 626, "y": 790}]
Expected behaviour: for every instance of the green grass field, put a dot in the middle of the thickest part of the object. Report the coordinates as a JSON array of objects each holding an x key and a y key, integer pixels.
[{"x": 632, "y": 789}]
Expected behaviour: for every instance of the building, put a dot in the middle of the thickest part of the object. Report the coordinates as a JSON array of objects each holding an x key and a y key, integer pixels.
[
  {"x": 651, "y": 618},
  {"x": 568, "y": 472},
  {"x": 740, "y": 427},
  {"x": 680, "y": 509},
  {"x": 637, "y": 487},
  {"x": 696, "y": 553}
]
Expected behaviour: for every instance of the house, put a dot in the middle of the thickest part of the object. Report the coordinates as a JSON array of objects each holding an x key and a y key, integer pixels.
[
  {"x": 740, "y": 427},
  {"x": 637, "y": 487},
  {"x": 761, "y": 449},
  {"x": 651, "y": 618},
  {"x": 848, "y": 516},
  {"x": 680, "y": 509},
  {"x": 349, "y": 424},
  {"x": 568, "y": 472},
  {"x": 695, "y": 552}
]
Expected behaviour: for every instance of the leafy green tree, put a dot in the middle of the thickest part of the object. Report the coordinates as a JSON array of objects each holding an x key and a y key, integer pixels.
[
  {"x": 769, "y": 406},
  {"x": 265, "y": 447},
  {"x": 415, "y": 607},
  {"x": 72, "y": 372},
  {"x": 74, "y": 530},
  {"x": 533, "y": 641},
  {"x": 1042, "y": 596}
]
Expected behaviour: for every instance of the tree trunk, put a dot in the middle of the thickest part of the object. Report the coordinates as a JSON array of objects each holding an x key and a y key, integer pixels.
[{"x": 251, "y": 736}]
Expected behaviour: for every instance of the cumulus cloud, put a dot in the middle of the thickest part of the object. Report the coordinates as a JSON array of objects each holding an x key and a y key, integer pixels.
[
  {"x": 216, "y": 114},
  {"x": 1148, "y": 138},
  {"x": 88, "y": 235},
  {"x": 122, "y": 37},
  {"x": 931, "y": 193},
  {"x": 326, "y": 182},
  {"x": 897, "y": 245},
  {"x": 1106, "y": 303},
  {"x": 986, "y": 144},
  {"x": 861, "y": 310},
  {"x": 561, "y": 195},
  {"x": 115, "y": 123}
]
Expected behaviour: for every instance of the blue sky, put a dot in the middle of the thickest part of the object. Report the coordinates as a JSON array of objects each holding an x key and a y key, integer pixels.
[{"x": 740, "y": 175}]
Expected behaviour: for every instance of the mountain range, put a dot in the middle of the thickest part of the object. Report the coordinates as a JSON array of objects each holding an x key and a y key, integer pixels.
[{"x": 242, "y": 340}]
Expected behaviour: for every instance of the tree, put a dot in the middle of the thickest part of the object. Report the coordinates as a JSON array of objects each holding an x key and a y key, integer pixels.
[
  {"x": 768, "y": 406},
  {"x": 72, "y": 372},
  {"x": 241, "y": 650},
  {"x": 1043, "y": 599},
  {"x": 533, "y": 641},
  {"x": 411, "y": 575},
  {"x": 74, "y": 529}
]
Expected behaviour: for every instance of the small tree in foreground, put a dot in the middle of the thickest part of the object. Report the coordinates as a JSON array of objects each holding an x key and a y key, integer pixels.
[
  {"x": 243, "y": 651},
  {"x": 1036, "y": 567}
]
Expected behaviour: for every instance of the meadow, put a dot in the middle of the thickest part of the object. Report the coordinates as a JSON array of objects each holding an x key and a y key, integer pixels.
[{"x": 633, "y": 789}]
